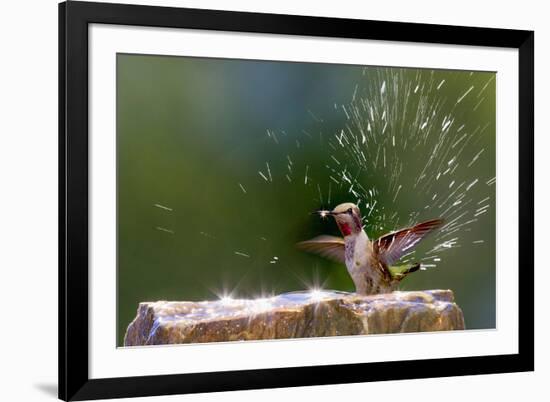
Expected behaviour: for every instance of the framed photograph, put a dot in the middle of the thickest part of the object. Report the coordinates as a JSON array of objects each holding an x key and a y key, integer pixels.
[{"x": 256, "y": 200}]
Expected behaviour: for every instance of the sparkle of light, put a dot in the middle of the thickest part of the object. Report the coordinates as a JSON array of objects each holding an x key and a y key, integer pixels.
[{"x": 316, "y": 294}]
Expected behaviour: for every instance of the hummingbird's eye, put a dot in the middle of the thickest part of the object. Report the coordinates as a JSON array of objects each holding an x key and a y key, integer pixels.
[{"x": 349, "y": 211}]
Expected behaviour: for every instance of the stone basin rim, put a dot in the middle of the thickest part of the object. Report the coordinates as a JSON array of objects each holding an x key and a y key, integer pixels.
[
  {"x": 298, "y": 314},
  {"x": 435, "y": 293}
]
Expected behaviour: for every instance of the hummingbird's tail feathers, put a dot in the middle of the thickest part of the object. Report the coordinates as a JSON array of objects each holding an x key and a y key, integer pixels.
[
  {"x": 391, "y": 247},
  {"x": 399, "y": 272}
]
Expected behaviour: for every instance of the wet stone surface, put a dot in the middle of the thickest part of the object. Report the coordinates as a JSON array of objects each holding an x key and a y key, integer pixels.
[{"x": 293, "y": 315}]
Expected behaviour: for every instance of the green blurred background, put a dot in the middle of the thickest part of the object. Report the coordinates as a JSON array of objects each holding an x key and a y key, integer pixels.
[{"x": 194, "y": 133}]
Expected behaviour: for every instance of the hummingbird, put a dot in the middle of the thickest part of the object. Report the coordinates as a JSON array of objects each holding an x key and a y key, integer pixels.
[{"x": 369, "y": 263}]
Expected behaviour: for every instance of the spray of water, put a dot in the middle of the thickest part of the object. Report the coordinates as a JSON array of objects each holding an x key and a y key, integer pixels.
[{"x": 404, "y": 139}]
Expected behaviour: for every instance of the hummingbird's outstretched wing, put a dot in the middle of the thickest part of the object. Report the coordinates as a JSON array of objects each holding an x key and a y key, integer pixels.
[
  {"x": 391, "y": 247},
  {"x": 330, "y": 247}
]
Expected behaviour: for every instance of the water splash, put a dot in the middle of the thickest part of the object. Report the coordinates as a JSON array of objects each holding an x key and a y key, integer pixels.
[{"x": 406, "y": 137}]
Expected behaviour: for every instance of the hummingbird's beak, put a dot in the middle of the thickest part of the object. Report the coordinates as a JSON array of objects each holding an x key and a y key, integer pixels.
[{"x": 323, "y": 213}]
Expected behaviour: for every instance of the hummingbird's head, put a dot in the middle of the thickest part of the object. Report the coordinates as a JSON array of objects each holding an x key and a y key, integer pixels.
[{"x": 347, "y": 217}]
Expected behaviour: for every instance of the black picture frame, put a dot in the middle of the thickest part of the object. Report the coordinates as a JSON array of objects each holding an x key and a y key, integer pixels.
[{"x": 74, "y": 18}]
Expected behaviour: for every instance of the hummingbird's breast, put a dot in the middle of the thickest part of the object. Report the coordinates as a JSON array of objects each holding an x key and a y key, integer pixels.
[
  {"x": 357, "y": 252},
  {"x": 364, "y": 267}
]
